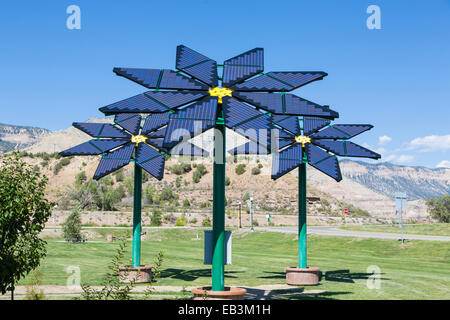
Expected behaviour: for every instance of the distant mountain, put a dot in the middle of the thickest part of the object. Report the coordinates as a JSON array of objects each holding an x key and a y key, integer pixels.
[
  {"x": 14, "y": 137},
  {"x": 387, "y": 178}
]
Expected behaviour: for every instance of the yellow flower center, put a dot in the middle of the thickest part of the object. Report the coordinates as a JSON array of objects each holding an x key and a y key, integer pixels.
[
  {"x": 302, "y": 140},
  {"x": 220, "y": 92},
  {"x": 138, "y": 139}
]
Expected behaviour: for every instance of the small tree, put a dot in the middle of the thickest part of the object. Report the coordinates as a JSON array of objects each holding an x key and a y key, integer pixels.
[
  {"x": 439, "y": 208},
  {"x": 240, "y": 169},
  {"x": 24, "y": 210},
  {"x": 206, "y": 222},
  {"x": 72, "y": 227},
  {"x": 155, "y": 219}
]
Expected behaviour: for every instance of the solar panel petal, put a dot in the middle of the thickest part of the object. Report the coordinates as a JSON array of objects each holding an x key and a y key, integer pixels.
[
  {"x": 160, "y": 79},
  {"x": 155, "y": 121},
  {"x": 311, "y": 125},
  {"x": 288, "y": 104},
  {"x": 114, "y": 160},
  {"x": 243, "y": 66},
  {"x": 341, "y": 131},
  {"x": 153, "y": 102},
  {"x": 191, "y": 121},
  {"x": 197, "y": 65},
  {"x": 150, "y": 160},
  {"x": 93, "y": 147},
  {"x": 323, "y": 161},
  {"x": 101, "y": 130},
  {"x": 286, "y": 160},
  {"x": 131, "y": 123},
  {"x": 290, "y": 123},
  {"x": 279, "y": 81},
  {"x": 346, "y": 148},
  {"x": 160, "y": 133}
]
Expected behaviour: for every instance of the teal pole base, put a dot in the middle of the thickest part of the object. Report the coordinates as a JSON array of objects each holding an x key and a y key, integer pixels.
[
  {"x": 137, "y": 204},
  {"x": 302, "y": 254}
]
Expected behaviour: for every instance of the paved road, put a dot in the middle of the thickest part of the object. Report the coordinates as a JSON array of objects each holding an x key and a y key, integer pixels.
[{"x": 335, "y": 231}]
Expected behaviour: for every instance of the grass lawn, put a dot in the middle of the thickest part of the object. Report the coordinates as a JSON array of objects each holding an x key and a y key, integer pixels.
[
  {"x": 434, "y": 229},
  {"x": 414, "y": 270}
]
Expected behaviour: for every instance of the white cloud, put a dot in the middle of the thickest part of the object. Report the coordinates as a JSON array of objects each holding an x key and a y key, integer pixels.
[
  {"x": 384, "y": 140},
  {"x": 443, "y": 164},
  {"x": 404, "y": 158},
  {"x": 431, "y": 143}
]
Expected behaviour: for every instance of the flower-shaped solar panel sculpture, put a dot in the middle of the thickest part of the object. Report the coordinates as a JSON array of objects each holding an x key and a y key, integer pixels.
[
  {"x": 127, "y": 140},
  {"x": 310, "y": 140},
  {"x": 195, "y": 99}
]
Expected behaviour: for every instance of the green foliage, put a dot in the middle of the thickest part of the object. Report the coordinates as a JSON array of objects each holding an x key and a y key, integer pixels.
[
  {"x": 206, "y": 222},
  {"x": 119, "y": 176},
  {"x": 255, "y": 223},
  {"x": 181, "y": 221},
  {"x": 112, "y": 287},
  {"x": 227, "y": 181},
  {"x": 24, "y": 210},
  {"x": 259, "y": 165},
  {"x": 199, "y": 172},
  {"x": 149, "y": 193},
  {"x": 156, "y": 218},
  {"x": 167, "y": 195},
  {"x": 256, "y": 171},
  {"x": 246, "y": 196},
  {"x": 193, "y": 221},
  {"x": 186, "y": 203},
  {"x": 178, "y": 182},
  {"x": 80, "y": 178},
  {"x": 439, "y": 208},
  {"x": 32, "y": 291},
  {"x": 129, "y": 185},
  {"x": 72, "y": 227},
  {"x": 240, "y": 169},
  {"x": 180, "y": 168}
]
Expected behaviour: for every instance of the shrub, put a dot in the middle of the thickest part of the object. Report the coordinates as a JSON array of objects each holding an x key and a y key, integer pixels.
[
  {"x": 256, "y": 171},
  {"x": 227, "y": 181},
  {"x": 260, "y": 165},
  {"x": 181, "y": 221},
  {"x": 193, "y": 221},
  {"x": 178, "y": 182},
  {"x": 439, "y": 208},
  {"x": 240, "y": 169},
  {"x": 120, "y": 176},
  {"x": 196, "y": 176},
  {"x": 80, "y": 178},
  {"x": 186, "y": 203},
  {"x": 155, "y": 219},
  {"x": 180, "y": 168},
  {"x": 255, "y": 223},
  {"x": 72, "y": 227},
  {"x": 206, "y": 222},
  {"x": 167, "y": 195}
]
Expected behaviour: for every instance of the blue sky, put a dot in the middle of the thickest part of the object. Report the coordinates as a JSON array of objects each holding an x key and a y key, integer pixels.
[{"x": 395, "y": 78}]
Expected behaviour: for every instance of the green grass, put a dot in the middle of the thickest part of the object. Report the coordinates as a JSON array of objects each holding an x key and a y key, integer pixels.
[
  {"x": 414, "y": 270},
  {"x": 433, "y": 229}
]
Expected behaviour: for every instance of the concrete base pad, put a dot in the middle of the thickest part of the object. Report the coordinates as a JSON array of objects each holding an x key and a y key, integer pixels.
[
  {"x": 230, "y": 293},
  {"x": 302, "y": 276},
  {"x": 142, "y": 274}
]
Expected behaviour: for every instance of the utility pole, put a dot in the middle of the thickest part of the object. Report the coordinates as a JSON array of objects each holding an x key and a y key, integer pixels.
[
  {"x": 400, "y": 204},
  {"x": 251, "y": 202}
]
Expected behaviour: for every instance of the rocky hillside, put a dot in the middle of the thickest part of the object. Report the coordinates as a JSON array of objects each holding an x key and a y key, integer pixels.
[
  {"x": 19, "y": 137},
  {"x": 387, "y": 178}
]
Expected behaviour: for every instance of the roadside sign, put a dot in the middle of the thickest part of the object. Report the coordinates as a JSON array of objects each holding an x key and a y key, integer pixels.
[{"x": 346, "y": 211}]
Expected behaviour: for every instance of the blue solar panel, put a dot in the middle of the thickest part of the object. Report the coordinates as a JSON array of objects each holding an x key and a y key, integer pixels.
[
  {"x": 279, "y": 81},
  {"x": 311, "y": 125},
  {"x": 243, "y": 66},
  {"x": 289, "y": 123},
  {"x": 286, "y": 161},
  {"x": 323, "y": 161},
  {"x": 249, "y": 148},
  {"x": 131, "y": 123},
  {"x": 193, "y": 120},
  {"x": 150, "y": 160},
  {"x": 93, "y": 147},
  {"x": 160, "y": 133},
  {"x": 153, "y": 102},
  {"x": 188, "y": 149},
  {"x": 247, "y": 121},
  {"x": 281, "y": 139},
  {"x": 160, "y": 79},
  {"x": 197, "y": 65},
  {"x": 155, "y": 121},
  {"x": 346, "y": 148},
  {"x": 341, "y": 131},
  {"x": 114, "y": 160},
  {"x": 288, "y": 104},
  {"x": 157, "y": 143},
  {"x": 101, "y": 130}
]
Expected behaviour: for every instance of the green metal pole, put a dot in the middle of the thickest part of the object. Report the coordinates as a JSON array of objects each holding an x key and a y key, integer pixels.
[
  {"x": 218, "y": 260},
  {"x": 137, "y": 216},
  {"x": 302, "y": 216}
]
